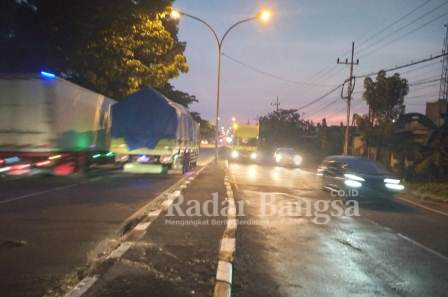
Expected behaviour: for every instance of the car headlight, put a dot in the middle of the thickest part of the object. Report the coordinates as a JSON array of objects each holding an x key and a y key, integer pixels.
[
  {"x": 278, "y": 157},
  {"x": 253, "y": 156},
  {"x": 352, "y": 183},
  {"x": 235, "y": 154},
  {"x": 391, "y": 181},
  {"x": 396, "y": 187},
  {"x": 351, "y": 176},
  {"x": 297, "y": 160}
]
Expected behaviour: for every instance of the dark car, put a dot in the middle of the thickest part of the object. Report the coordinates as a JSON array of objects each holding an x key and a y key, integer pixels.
[
  {"x": 367, "y": 177},
  {"x": 287, "y": 157}
]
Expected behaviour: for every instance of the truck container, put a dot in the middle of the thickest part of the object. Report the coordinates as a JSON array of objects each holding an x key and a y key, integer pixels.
[
  {"x": 152, "y": 134},
  {"x": 48, "y": 124}
]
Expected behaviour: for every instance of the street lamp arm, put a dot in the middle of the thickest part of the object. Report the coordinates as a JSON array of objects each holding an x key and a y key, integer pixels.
[
  {"x": 202, "y": 21},
  {"x": 233, "y": 26}
]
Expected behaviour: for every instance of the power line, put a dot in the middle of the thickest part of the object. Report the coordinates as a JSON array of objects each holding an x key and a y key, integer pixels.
[
  {"x": 404, "y": 66},
  {"x": 421, "y": 67},
  {"x": 319, "y": 98},
  {"x": 418, "y": 83},
  {"x": 405, "y": 26},
  {"x": 362, "y": 42},
  {"x": 323, "y": 108},
  {"x": 406, "y": 34},
  {"x": 259, "y": 71}
]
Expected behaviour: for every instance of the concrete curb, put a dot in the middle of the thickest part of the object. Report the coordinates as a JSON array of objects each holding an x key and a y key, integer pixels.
[{"x": 223, "y": 280}]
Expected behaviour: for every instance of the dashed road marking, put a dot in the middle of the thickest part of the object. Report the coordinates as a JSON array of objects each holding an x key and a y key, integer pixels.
[
  {"x": 154, "y": 213},
  {"x": 410, "y": 240},
  {"x": 422, "y": 206},
  {"x": 142, "y": 226},
  {"x": 120, "y": 250},
  {"x": 82, "y": 286},
  {"x": 423, "y": 247}
]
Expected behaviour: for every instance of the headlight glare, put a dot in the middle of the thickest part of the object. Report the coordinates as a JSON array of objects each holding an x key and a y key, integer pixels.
[
  {"x": 351, "y": 176},
  {"x": 352, "y": 183},
  {"x": 297, "y": 160}
]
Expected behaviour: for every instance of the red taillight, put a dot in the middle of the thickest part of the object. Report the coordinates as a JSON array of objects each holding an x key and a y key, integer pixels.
[{"x": 64, "y": 169}]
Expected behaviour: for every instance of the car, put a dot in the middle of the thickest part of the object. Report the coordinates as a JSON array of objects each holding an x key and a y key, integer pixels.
[
  {"x": 286, "y": 156},
  {"x": 348, "y": 173}
]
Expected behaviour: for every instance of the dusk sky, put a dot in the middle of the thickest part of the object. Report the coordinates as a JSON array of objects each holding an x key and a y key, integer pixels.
[{"x": 302, "y": 39}]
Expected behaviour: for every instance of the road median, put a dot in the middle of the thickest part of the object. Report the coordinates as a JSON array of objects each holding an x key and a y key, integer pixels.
[{"x": 166, "y": 252}]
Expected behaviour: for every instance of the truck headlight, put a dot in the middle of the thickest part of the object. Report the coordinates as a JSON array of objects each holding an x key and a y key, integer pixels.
[
  {"x": 278, "y": 157},
  {"x": 253, "y": 156},
  {"x": 235, "y": 154},
  {"x": 297, "y": 160}
]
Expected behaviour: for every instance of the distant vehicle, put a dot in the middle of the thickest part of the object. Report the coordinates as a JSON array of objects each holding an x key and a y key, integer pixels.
[
  {"x": 352, "y": 172},
  {"x": 286, "y": 156},
  {"x": 245, "y": 142}
]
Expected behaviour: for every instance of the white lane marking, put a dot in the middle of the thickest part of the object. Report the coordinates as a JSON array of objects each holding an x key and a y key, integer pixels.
[
  {"x": 423, "y": 206},
  {"x": 38, "y": 193},
  {"x": 120, "y": 250},
  {"x": 423, "y": 247},
  {"x": 142, "y": 226},
  {"x": 82, "y": 286},
  {"x": 154, "y": 213},
  {"x": 227, "y": 245},
  {"x": 410, "y": 240},
  {"x": 224, "y": 272}
]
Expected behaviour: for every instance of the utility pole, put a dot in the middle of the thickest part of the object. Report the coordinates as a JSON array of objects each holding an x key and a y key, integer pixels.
[
  {"x": 443, "y": 91},
  {"x": 276, "y": 104},
  {"x": 351, "y": 86}
]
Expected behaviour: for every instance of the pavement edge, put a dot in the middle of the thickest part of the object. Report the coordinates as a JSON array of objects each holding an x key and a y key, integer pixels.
[{"x": 223, "y": 279}]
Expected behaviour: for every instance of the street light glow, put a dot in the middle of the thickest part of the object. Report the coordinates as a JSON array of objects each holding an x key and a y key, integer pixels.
[
  {"x": 265, "y": 15},
  {"x": 175, "y": 14}
]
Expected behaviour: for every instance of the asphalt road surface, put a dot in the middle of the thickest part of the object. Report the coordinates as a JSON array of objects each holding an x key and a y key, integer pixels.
[
  {"x": 390, "y": 249},
  {"x": 49, "y": 226}
]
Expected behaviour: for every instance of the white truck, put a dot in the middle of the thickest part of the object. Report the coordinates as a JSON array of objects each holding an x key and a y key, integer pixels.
[{"x": 48, "y": 124}]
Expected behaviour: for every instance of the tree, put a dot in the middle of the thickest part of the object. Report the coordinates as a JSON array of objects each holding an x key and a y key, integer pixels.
[
  {"x": 283, "y": 127},
  {"x": 207, "y": 130},
  {"x": 111, "y": 46},
  {"x": 178, "y": 96},
  {"x": 385, "y": 97}
]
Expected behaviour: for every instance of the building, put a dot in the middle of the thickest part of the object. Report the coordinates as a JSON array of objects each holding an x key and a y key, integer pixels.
[{"x": 435, "y": 111}]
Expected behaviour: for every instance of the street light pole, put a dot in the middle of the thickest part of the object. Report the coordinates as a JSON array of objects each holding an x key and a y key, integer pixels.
[{"x": 263, "y": 15}]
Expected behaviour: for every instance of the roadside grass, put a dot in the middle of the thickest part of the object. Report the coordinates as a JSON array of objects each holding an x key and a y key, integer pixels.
[{"x": 436, "y": 191}]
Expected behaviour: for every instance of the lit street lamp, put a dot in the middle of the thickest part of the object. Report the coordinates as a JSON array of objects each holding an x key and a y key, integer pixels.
[{"x": 264, "y": 16}]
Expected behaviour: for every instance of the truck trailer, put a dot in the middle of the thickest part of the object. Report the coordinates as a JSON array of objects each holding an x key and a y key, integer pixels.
[
  {"x": 152, "y": 134},
  {"x": 48, "y": 124}
]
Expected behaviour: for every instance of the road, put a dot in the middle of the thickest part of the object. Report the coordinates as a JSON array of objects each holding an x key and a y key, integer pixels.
[
  {"x": 390, "y": 249},
  {"x": 51, "y": 227}
]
